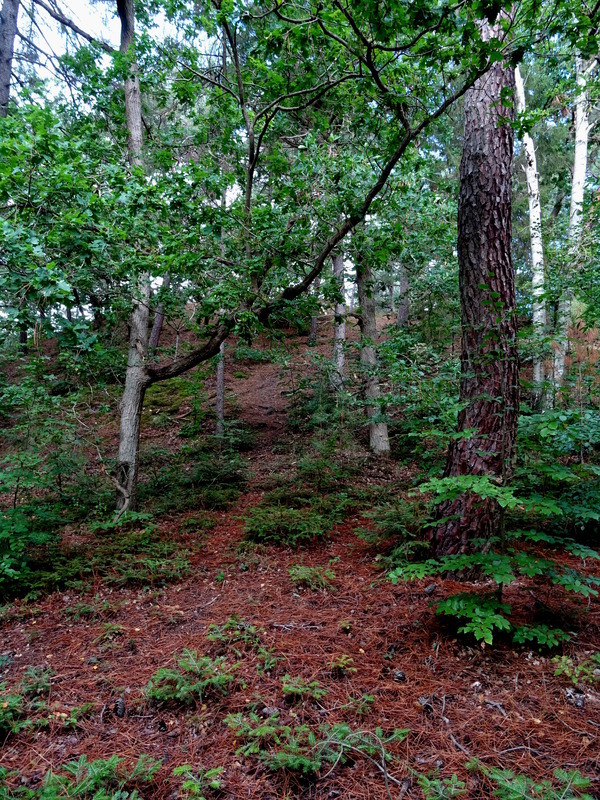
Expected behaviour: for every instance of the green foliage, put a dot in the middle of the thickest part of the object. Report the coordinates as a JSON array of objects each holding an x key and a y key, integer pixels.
[
  {"x": 567, "y": 785},
  {"x": 505, "y": 559},
  {"x": 401, "y": 525},
  {"x": 302, "y": 750},
  {"x": 296, "y": 689},
  {"x": 586, "y": 671},
  {"x": 289, "y": 526},
  {"x": 435, "y": 788},
  {"x": 103, "y": 779},
  {"x": 200, "y": 782},
  {"x": 342, "y": 665},
  {"x": 313, "y": 578},
  {"x": 196, "y": 677}
]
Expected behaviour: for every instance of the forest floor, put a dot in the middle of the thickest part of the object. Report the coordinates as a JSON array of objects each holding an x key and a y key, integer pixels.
[{"x": 381, "y": 657}]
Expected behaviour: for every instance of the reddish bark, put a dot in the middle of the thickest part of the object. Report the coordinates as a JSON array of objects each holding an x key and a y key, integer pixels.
[{"x": 489, "y": 359}]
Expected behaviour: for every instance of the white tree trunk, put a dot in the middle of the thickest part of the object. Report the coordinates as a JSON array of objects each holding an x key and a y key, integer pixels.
[
  {"x": 582, "y": 133},
  {"x": 339, "y": 329},
  {"x": 220, "y": 400},
  {"x": 537, "y": 247},
  {"x": 378, "y": 431}
]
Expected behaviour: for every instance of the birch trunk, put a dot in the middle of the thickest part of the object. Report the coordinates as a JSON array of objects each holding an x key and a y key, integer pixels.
[
  {"x": 489, "y": 386},
  {"x": 136, "y": 376},
  {"x": 339, "y": 329},
  {"x": 537, "y": 247},
  {"x": 582, "y": 133},
  {"x": 378, "y": 431},
  {"x": 8, "y": 31}
]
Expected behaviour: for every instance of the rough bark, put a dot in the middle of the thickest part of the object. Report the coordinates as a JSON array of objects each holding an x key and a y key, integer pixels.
[
  {"x": 537, "y": 247},
  {"x": 339, "y": 329},
  {"x": 403, "y": 302},
  {"x": 8, "y": 31},
  {"x": 378, "y": 431},
  {"x": 582, "y": 133},
  {"x": 489, "y": 361},
  {"x": 220, "y": 399},
  {"x": 136, "y": 376}
]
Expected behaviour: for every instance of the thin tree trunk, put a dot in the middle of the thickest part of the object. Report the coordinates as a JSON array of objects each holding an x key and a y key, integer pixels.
[
  {"x": 403, "y": 302},
  {"x": 391, "y": 293},
  {"x": 582, "y": 133},
  {"x": 8, "y": 31},
  {"x": 159, "y": 318},
  {"x": 339, "y": 329},
  {"x": 378, "y": 431},
  {"x": 136, "y": 376},
  {"x": 220, "y": 400},
  {"x": 489, "y": 360},
  {"x": 23, "y": 339},
  {"x": 314, "y": 320},
  {"x": 537, "y": 247}
]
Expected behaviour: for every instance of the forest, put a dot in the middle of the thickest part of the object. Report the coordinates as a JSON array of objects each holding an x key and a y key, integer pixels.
[{"x": 299, "y": 399}]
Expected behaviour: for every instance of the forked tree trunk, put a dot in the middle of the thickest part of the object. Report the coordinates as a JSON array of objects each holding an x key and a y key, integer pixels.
[
  {"x": 537, "y": 247},
  {"x": 582, "y": 134},
  {"x": 8, "y": 31},
  {"x": 339, "y": 329},
  {"x": 378, "y": 431},
  {"x": 403, "y": 303},
  {"x": 489, "y": 361},
  {"x": 136, "y": 376}
]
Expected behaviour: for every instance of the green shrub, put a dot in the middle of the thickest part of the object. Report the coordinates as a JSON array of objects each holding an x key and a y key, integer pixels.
[
  {"x": 296, "y": 688},
  {"x": 196, "y": 677},
  {"x": 311, "y": 577},
  {"x": 289, "y": 526}
]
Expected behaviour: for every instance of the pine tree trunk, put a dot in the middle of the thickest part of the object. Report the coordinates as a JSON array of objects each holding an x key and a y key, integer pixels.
[
  {"x": 378, "y": 431},
  {"x": 582, "y": 134},
  {"x": 8, "y": 31},
  {"x": 489, "y": 361},
  {"x": 403, "y": 304},
  {"x": 537, "y": 247},
  {"x": 220, "y": 399},
  {"x": 136, "y": 376},
  {"x": 339, "y": 329}
]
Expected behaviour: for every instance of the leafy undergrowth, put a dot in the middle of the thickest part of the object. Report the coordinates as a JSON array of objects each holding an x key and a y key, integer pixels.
[{"x": 259, "y": 650}]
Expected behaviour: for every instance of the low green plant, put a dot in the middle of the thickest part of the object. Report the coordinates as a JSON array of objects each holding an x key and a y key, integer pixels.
[
  {"x": 103, "y": 779},
  {"x": 503, "y": 560},
  {"x": 508, "y": 785},
  {"x": 436, "y": 788},
  {"x": 198, "y": 783},
  {"x": 235, "y": 631},
  {"x": 586, "y": 671},
  {"x": 196, "y": 677},
  {"x": 302, "y": 750},
  {"x": 288, "y": 526},
  {"x": 36, "y": 681},
  {"x": 12, "y": 712},
  {"x": 313, "y": 578},
  {"x": 342, "y": 665},
  {"x": 296, "y": 688}
]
